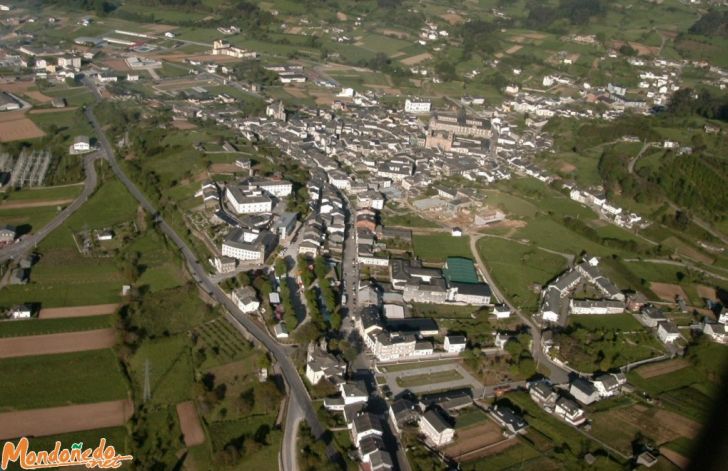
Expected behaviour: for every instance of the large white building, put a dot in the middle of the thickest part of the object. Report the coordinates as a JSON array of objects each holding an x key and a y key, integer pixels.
[
  {"x": 248, "y": 245},
  {"x": 277, "y": 188},
  {"x": 416, "y": 105},
  {"x": 246, "y": 299},
  {"x": 248, "y": 202}
]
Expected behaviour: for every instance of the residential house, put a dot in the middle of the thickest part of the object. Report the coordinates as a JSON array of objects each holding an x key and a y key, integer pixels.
[
  {"x": 508, "y": 419},
  {"x": 455, "y": 343},
  {"x": 403, "y": 412},
  {"x": 716, "y": 331},
  {"x": 584, "y": 391},
  {"x": 609, "y": 384},
  {"x": 246, "y": 299},
  {"x": 365, "y": 425},
  {"x": 322, "y": 365},
  {"x": 7, "y": 234},
  {"x": 667, "y": 332},
  {"x": 570, "y": 411},
  {"x": 436, "y": 428},
  {"x": 543, "y": 394},
  {"x": 22, "y": 311},
  {"x": 280, "y": 330}
]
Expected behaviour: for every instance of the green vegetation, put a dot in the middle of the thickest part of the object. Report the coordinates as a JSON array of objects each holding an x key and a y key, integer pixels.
[
  {"x": 438, "y": 247},
  {"x": 166, "y": 312},
  {"x": 406, "y": 220},
  {"x": 428, "y": 378},
  {"x": 67, "y": 378},
  {"x": 53, "y": 326},
  {"x": 470, "y": 417}
]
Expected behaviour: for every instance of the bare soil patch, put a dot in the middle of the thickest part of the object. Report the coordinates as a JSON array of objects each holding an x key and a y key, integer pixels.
[
  {"x": 412, "y": 60},
  {"x": 18, "y": 129},
  {"x": 224, "y": 168},
  {"x": 514, "y": 49},
  {"x": 52, "y": 110},
  {"x": 642, "y": 49},
  {"x": 189, "y": 422},
  {"x": 661, "y": 368},
  {"x": 56, "y": 420},
  {"x": 34, "y": 204},
  {"x": 77, "y": 311},
  {"x": 385, "y": 89},
  {"x": 674, "y": 457},
  {"x": 661, "y": 425},
  {"x": 667, "y": 291},
  {"x": 452, "y": 18},
  {"x": 295, "y": 92},
  {"x": 158, "y": 28},
  {"x": 57, "y": 343},
  {"x": 183, "y": 124},
  {"x": 394, "y": 32},
  {"x": 116, "y": 64},
  {"x": 198, "y": 57},
  {"x": 471, "y": 442},
  {"x": 706, "y": 292},
  {"x": 38, "y": 96},
  {"x": 567, "y": 167},
  {"x": 341, "y": 16}
]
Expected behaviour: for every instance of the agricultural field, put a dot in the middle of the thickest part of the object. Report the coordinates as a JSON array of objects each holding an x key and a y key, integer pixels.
[{"x": 436, "y": 248}]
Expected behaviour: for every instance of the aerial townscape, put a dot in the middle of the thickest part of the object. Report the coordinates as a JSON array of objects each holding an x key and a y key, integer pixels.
[{"x": 373, "y": 235}]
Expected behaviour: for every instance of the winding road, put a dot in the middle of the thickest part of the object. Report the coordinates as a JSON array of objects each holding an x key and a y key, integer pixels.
[
  {"x": 300, "y": 401},
  {"x": 27, "y": 243}
]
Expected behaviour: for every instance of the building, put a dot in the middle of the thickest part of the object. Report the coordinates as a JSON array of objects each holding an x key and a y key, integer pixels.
[
  {"x": 584, "y": 391},
  {"x": 417, "y": 105},
  {"x": 7, "y": 234},
  {"x": 286, "y": 224},
  {"x": 365, "y": 425},
  {"x": 276, "y": 111},
  {"x": 436, "y": 428},
  {"x": 223, "y": 48},
  {"x": 477, "y": 294},
  {"x": 246, "y": 299},
  {"x": 716, "y": 331},
  {"x": 651, "y": 316},
  {"x": 502, "y": 311},
  {"x": 570, "y": 411},
  {"x": 280, "y": 330},
  {"x": 22, "y": 311},
  {"x": 455, "y": 343},
  {"x": 276, "y": 188},
  {"x": 81, "y": 145},
  {"x": 667, "y": 332},
  {"x": 461, "y": 125},
  {"x": 353, "y": 392},
  {"x": 224, "y": 264},
  {"x": 595, "y": 307},
  {"x": 403, "y": 412},
  {"x": 247, "y": 202},
  {"x": 372, "y": 452},
  {"x": 393, "y": 311},
  {"x": 610, "y": 384},
  {"x": 8, "y": 103},
  {"x": 543, "y": 394},
  {"x": 242, "y": 244},
  {"x": 507, "y": 418}
]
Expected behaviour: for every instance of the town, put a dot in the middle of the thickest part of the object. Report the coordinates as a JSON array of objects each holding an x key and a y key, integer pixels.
[{"x": 278, "y": 257}]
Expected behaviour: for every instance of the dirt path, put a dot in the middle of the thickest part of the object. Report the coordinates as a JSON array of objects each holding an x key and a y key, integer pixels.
[
  {"x": 189, "y": 422},
  {"x": 35, "y": 204},
  {"x": 77, "y": 311},
  {"x": 57, "y": 343},
  {"x": 55, "y": 420}
]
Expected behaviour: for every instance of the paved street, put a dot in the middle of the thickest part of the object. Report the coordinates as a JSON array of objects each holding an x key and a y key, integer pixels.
[
  {"x": 21, "y": 247},
  {"x": 238, "y": 319}
]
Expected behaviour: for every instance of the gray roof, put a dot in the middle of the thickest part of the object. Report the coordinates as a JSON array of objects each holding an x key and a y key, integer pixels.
[{"x": 435, "y": 418}]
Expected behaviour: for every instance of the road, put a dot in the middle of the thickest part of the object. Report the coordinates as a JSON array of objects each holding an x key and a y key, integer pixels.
[
  {"x": 558, "y": 375},
  {"x": 28, "y": 242},
  {"x": 238, "y": 319}
]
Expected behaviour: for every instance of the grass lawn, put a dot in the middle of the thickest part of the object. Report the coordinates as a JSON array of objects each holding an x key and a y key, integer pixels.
[
  {"x": 443, "y": 311},
  {"x": 27, "y": 219},
  {"x": 21, "y": 328},
  {"x": 222, "y": 433},
  {"x": 472, "y": 416},
  {"x": 171, "y": 373},
  {"x": 412, "y": 366},
  {"x": 406, "y": 220},
  {"x": 428, "y": 378},
  {"x": 515, "y": 266},
  {"x": 512, "y": 458},
  {"x": 64, "y": 379},
  {"x": 437, "y": 247},
  {"x": 45, "y": 193},
  {"x": 162, "y": 269},
  {"x": 624, "y": 322}
]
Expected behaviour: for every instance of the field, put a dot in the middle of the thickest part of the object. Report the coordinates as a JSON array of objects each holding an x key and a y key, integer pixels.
[
  {"x": 437, "y": 247},
  {"x": 428, "y": 378},
  {"x": 17, "y": 328},
  {"x": 65, "y": 419},
  {"x": 68, "y": 378},
  {"x": 406, "y": 220},
  {"x": 623, "y": 322},
  {"x": 667, "y": 291},
  {"x": 189, "y": 422},
  {"x": 18, "y": 128},
  {"x": 77, "y": 311},
  {"x": 478, "y": 441},
  {"x": 661, "y": 368},
  {"x": 12, "y": 347},
  {"x": 171, "y": 373},
  {"x": 514, "y": 267}
]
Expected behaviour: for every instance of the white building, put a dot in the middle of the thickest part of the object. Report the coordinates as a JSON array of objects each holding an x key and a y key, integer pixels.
[
  {"x": 281, "y": 331},
  {"x": 502, "y": 311},
  {"x": 667, "y": 332},
  {"x": 277, "y": 188},
  {"x": 570, "y": 411},
  {"x": 80, "y": 145},
  {"x": 455, "y": 343},
  {"x": 249, "y": 202},
  {"x": 436, "y": 429},
  {"x": 20, "y": 312},
  {"x": 246, "y": 299},
  {"x": 416, "y": 105}
]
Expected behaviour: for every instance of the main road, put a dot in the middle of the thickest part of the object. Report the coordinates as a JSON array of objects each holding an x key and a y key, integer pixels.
[
  {"x": 22, "y": 246},
  {"x": 300, "y": 400}
]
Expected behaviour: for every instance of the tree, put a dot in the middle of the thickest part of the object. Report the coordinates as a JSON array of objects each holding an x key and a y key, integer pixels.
[{"x": 281, "y": 267}]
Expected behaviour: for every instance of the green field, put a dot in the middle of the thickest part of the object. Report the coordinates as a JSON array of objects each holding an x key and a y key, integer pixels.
[
  {"x": 406, "y": 220},
  {"x": 45, "y": 193},
  {"x": 21, "y": 328},
  {"x": 27, "y": 220},
  {"x": 624, "y": 322},
  {"x": 428, "y": 378},
  {"x": 55, "y": 380},
  {"x": 437, "y": 248},
  {"x": 171, "y": 373},
  {"x": 515, "y": 266},
  {"x": 471, "y": 416}
]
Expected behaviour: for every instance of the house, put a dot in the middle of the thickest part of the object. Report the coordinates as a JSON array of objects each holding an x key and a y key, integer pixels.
[
  {"x": 365, "y": 425},
  {"x": 224, "y": 264},
  {"x": 455, "y": 343},
  {"x": 456, "y": 232},
  {"x": 507, "y": 418},
  {"x": 22, "y": 311},
  {"x": 584, "y": 391},
  {"x": 502, "y": 311},
  {"x": 247, "y": 202},
  {"x": 436, "y": 428},
  {"x": 81, "y": 145},
  {"x": 354, "y": 392},
  {"x": 322, "y": 365},
  {"x": 570, "y": 411},
  {"x": 280, "y": 330},
  {"x": 543, "y": 394},
  {"x": 403, "y": 412},
  {"x": 608, "y": 385},
  {"x": 667, "y": 332},
  {"x": 416, "y": 105},
  {"x": 651, "y": 316},
  {"x": 246, "y": 299},
  {"x": 105, "y": 235},
  {"x": 477, "y": 294},
  {"x": 393, "y": 311},
  {"x": 7, "y": 234},
  {"x": 716, "y": 331},
  {"x": 248, "y": 245},
  {"x": 372, "y": 452}
]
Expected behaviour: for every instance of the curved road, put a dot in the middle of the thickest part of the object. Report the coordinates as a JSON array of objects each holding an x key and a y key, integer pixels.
[
  {"x": 557, "y": 374},
  {"x": 19, "y": 248},
  {"x": 300, "y": 400}
]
